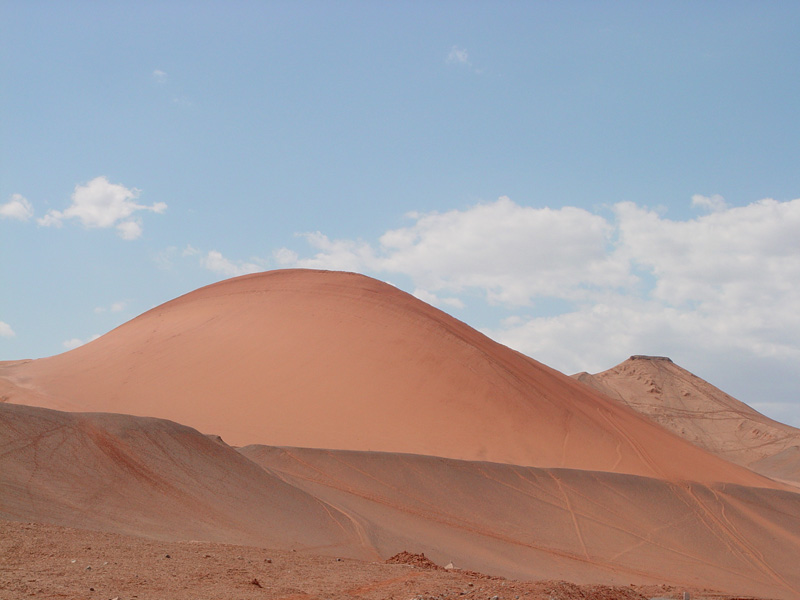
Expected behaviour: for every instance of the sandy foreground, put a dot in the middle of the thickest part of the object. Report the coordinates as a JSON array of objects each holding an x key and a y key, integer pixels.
[{"x": 46, "y": 561}]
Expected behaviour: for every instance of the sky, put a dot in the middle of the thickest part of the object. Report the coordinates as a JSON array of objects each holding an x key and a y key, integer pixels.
[{"x": 581, "y": 181}]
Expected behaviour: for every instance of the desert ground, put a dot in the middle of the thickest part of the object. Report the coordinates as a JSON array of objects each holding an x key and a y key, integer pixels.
[{"x": 45, "y": 561}]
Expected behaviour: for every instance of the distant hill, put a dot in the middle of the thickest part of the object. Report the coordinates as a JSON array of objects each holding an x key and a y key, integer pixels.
[{"x": 702, "y": 414}]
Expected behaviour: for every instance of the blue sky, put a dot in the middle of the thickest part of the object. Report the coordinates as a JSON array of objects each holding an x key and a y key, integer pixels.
[{"x": 582, "y": 181}]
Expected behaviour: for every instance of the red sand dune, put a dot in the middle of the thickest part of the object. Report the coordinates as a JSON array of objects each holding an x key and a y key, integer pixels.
[
  {"x": 342, "y": 361},
  {"x": 703, "y": 414}
]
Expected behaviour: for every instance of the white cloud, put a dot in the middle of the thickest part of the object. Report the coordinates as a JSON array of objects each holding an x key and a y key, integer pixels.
[
  {"x": 5, "y": 330},
  {"x": 458, "y": 56},
  {"x": 512, "y": 253},
  {"x": 740, "y": 256},
  {"x": 18, "y": 208},
  {"x": 101, "y": 204},
  {"x": 586, "y": 290},
  {"x": 73, "y": 343},
  {"x": 160, "y": 76},
  {"x": 214, "y": 261}
]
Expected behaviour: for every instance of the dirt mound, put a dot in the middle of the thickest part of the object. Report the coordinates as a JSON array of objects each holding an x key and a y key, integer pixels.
[{"x": 415, "y": 560}]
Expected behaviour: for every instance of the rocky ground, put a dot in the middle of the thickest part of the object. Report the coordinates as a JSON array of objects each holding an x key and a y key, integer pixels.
[{"x": 43, "y": 561}]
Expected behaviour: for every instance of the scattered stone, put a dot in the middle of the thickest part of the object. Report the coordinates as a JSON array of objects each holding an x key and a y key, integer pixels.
[
  {"x": 268, "y": 560},
  {"x": 167, "y": 556},
  {"x": 256, "y": 582}
]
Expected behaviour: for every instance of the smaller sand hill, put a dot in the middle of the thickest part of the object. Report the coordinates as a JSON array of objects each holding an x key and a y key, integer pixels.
[
  {"x": 703, "y": 414},
  {"x": 580, "y": 526},
  {"x": 155, "y": 478}
]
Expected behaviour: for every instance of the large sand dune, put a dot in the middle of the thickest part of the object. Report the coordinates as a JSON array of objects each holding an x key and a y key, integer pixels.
[
  {"x": 342, "y": 361},
  {"x": 703, "y": 415}
]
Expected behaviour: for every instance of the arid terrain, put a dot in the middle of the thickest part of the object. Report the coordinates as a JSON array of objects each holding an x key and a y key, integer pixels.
[
  {"x": 46, "y": 561},
  {"x": 284, "y": 434}
]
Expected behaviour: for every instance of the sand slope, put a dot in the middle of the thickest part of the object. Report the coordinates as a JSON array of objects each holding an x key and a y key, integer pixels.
[
  {"x": 339, "y": 360},
  {"x": 155, "y": 478},
  {"x": 703, "y": 415},
  {"x": 580, "y": 526}
]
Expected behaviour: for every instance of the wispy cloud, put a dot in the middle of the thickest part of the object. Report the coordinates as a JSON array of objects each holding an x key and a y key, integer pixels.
[
  {"x": 113, "y": 308},
  {"x": 160, "y": 76},
  {"x": 18, "y": 208},
  {"x": 214, "y": 261},
  {"x": 458, "y": 56}
]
